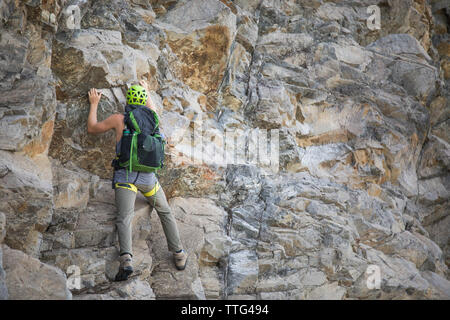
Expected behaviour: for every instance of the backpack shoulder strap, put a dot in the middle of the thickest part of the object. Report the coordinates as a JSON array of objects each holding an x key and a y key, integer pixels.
[{"x": 134, "y": 122}]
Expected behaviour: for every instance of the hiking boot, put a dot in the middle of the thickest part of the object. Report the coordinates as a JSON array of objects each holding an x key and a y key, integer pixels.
[
  {"x": 125, "y": 268},
  {"x": 180, "y": 259}
]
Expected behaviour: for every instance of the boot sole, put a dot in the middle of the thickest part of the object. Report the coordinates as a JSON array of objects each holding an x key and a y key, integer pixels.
[{"x": 123, "y": 274}]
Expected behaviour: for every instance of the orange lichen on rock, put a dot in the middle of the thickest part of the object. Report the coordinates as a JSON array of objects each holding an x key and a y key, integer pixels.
[
  {"x": 334, "y": 136},
  {"x": 203, "y": 56},
  {"x": 41, "y": 145}
]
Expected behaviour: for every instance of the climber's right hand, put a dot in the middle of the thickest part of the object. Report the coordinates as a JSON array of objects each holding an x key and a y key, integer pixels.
[{"x": 94, "y": 96}]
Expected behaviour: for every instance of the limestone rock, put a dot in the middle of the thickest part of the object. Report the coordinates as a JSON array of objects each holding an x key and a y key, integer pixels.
[
  {"x": 330, "y": 291},
  {"x": 131, "y": 290},
  {"x": 235, "y": 79},
  {"x": 399, "y": 44},
  {"x": 3, "y": 287},
  {"x": 27, "y": 204},
  {"x": 243, "y": 272},
  {"x": 2, "y": 226},
  {"x": 200, "y": 32},
  {"x": 29, "y": 279},
  {"x": 360, "y": 115},
  {"x": 72, "y": 187},
  {"x": 28, "y": 108}
]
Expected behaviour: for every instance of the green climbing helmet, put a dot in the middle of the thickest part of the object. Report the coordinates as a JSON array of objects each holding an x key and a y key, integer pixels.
[{"x": 137, "y": 95}]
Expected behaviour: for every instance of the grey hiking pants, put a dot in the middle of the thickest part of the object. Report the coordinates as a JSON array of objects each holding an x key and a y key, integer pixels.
[{"x": 125, "y": 199}]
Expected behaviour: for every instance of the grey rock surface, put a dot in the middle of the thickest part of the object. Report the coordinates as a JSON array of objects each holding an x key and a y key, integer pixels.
[{"x": 361, "y": 117}]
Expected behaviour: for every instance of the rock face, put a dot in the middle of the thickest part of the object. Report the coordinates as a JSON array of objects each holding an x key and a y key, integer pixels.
[
  {"x": 3, "y": 286},
  {"x": 29, "y": 279},
  {"x": 359, "y": 119}
]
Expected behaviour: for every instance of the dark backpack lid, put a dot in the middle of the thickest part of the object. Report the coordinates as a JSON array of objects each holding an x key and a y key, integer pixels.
[{"x": 146, "y": 119}]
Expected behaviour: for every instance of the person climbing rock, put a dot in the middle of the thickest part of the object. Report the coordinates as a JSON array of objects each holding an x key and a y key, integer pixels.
[{"x": 127, "y": 181}]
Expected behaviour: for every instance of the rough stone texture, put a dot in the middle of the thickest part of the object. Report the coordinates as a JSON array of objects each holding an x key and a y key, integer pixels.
[
  {"x": 2, "y": 227},
  {"x": 201, "y": 224},
  {"x": 27, "y": 200},
  {"x": 363, "y": 123},
  {"x": 132, "y": 290},
  {"x": 29, "y": 279},
  {"x": 3, "y": 286}
]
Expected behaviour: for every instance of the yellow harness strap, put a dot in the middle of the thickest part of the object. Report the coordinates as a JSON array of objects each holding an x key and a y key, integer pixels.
[
  {"x": 128, "y": 186},
  {"x": 153, "y": 191}
]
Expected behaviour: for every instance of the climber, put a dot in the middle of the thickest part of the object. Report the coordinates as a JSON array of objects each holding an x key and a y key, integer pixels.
[{"x": 127, "y": 183}]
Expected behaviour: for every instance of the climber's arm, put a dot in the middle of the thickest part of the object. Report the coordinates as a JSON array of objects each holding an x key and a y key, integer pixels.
[
  {"x": 149, "y": 103},
  {"x": 112, "y": 122}
]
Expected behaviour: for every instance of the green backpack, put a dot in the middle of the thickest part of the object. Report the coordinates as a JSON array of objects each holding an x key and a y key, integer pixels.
[{"x": 142, "y": 146}]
